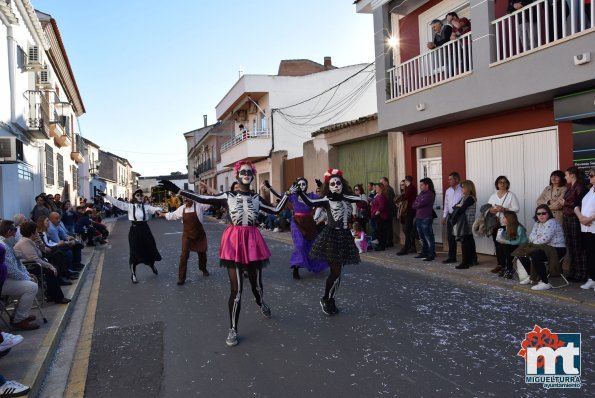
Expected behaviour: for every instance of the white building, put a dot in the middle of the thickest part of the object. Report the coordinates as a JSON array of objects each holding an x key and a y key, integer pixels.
[
  {"x": 39, "y": 102},
  {"x": 275, "y": 114}
]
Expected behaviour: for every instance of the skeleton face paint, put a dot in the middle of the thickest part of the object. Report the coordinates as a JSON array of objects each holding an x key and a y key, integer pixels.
[
  {"x": 245, "y": 175},
  {"x": 303, "y": 185},
  {"x": 335, "y": 185},
  {"x": 139, "y": 197}
]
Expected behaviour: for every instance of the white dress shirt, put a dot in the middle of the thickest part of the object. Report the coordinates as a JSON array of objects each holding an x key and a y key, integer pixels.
[{"x": 452, "y": 197}]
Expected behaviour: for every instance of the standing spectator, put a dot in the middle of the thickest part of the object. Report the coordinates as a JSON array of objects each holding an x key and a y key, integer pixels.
[
  {"x": 381, "y": 216},
  {"x": 442, "y": 34},
  {"x": 572, "y": 226},
  {"x": 424, "y": 215},
  {"x": 40, "y": 209},
  {"x": 586, "y": 216},
  {"x": 371, "y": 191},
  {"x": 465, "y": 210},
  {"x": 513, "y": 235},
  {"x": 552, "y": 193},
  {"x": 502, "y": 200},
  {"x": 390, "y": 195},
  {"x": 453, "y": 195},
  {"x": 556, "y": 17},
  {"x": 408, "y": 196},
  {"x": 58, "y": 203}
]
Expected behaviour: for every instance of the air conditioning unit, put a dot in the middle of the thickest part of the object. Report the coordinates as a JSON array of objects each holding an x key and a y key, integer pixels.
[
  {"x": 11, "y": 150},
  {"x": 34, "y": 59},
  {"x": 252, "y": 108},
  {"x": 43, "y": 79}
]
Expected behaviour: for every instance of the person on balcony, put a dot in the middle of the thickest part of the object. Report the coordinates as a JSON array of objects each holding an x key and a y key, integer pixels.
[
  {"x": 442, "y": 34},
  {"x": 527, "y": 29}
]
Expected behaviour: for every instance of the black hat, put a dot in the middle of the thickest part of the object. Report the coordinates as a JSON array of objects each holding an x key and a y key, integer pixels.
[{"x": 137, "y": 191}]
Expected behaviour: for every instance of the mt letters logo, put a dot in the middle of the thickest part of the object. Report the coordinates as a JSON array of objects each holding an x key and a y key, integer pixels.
[{"x": 552, "y": 359}]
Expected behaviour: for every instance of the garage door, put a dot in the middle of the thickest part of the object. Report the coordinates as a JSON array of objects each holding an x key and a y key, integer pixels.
[
  {"x": 526, "y": 159},
  {"x": 364, "y": 161}
]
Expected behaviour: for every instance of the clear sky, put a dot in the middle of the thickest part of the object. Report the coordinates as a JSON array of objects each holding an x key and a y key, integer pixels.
[{"x": 149, "y": 70}]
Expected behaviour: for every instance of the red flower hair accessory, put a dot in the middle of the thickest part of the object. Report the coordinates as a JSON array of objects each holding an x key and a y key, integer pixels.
[
  {"x": 240, "y": 163},
  {"x": 330, "y": 173}
]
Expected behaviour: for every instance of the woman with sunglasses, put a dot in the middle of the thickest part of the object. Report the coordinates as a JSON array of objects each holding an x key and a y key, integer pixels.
[
  {"x": 546, "y": 231},
  {"x": 335, "y": 243},
  {"x": 586, "y": 216},
  {"x": 242, "y": 247}
]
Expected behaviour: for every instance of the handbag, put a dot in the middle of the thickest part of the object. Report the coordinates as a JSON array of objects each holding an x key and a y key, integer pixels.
[{"x": 434, "y": 215}]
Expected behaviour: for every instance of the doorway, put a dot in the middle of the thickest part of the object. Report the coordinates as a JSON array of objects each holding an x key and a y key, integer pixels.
[{"x": 429, "y": 165}]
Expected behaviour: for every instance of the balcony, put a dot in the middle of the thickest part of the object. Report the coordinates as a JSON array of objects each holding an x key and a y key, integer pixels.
[
  {"x": 36, "y": 114},
  {"x": 77, "y": 157},
  {"x": 537, "y": 26},
  {"x": 250, "y": 145},
  {"x": 450, "y": 61}
]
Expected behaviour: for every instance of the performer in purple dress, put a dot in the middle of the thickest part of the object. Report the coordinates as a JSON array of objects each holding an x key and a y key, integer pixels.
[
  {"x": 303, "y": 231},
  {"x": 242, "y": 246}
]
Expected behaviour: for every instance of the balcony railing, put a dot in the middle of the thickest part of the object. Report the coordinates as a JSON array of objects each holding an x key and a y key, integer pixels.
[
  {"x": 539, "y": 24},
  {"x": 447, "y": 62},
  {"x": 247, "y": 135},
  {"x": 36, "y": 114}
]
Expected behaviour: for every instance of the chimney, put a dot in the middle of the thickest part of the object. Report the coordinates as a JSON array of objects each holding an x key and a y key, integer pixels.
[
  {"x": 204, "y": 118},
  {"x": 327, "y": 63}
]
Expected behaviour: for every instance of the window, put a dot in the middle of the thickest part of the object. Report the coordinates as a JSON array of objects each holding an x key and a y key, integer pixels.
[
  {"x": 20, "y": 58},
  {"x": 24, "y": 172},
  {"x": 75, "y": 179},
  {"x": 60, "y": 164},
  {"x": 49, "y": 165},
  {"x": 263, "y": 121},
  {"x": 461, "y": 7}
]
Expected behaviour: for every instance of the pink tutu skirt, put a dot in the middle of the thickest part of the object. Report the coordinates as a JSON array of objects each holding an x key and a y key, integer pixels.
[{"x": 243, "y": 245}]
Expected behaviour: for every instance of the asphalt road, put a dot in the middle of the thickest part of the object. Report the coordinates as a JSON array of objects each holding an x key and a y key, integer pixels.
[{"x": 399, "y": 334}]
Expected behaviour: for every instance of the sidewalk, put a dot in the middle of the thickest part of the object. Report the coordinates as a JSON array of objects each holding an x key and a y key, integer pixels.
[
  {"x": 573, "y": 295},
  {"x": 28, "y": 362}
]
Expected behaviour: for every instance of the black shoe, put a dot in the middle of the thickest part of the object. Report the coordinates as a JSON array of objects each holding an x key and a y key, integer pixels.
[
  {"x": 205, "y": 273},
  {"x": 449, "y": 261},
  {"x": 509, "y": 274},
  {"x": 180, "y": 283},
  {"x": 154, "y": 269},
  {"x": 332, "y": 306},
  {"x": 501, "y": 273},
  {"x": 420, "y": 256},
  {"x": 402, "y": 252},
  {"x": 462, "y": 266},
  {"x": 430, "y": 258},
  {"x": 296, "y": 273},
  {"x": 326, "y": 308}
]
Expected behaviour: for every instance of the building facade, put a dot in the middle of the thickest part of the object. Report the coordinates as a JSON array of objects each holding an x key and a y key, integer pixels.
[{"x": 497, "y": 100}]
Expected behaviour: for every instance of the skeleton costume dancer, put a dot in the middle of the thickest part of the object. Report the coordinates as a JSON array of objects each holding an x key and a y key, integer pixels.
[
  {"x": 140, "y": 239},
  {"x": 303, "y": 231},
  {"x": 194, "y": 237},
  {"x": 242, "y": 246},
  {"x": 335, "y": 243}
]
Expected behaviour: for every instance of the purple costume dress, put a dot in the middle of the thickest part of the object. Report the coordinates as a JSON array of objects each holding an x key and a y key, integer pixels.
[{"x": 303, "y": 233}]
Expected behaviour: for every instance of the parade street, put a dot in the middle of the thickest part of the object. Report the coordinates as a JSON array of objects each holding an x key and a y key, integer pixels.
[{"x": 399, "y": 333}]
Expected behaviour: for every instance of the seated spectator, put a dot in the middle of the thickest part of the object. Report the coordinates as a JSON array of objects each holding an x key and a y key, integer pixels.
[
  {"x": 18, "y": 220},
  {"x": 546, "y": 244},
  {"x": 19, "y": 283},
  {"x": 442, "y": 34},
  {"x": 101, "y": 228},
  {"x": 510, "y": 237},
  {"x": 57, "y": 232},
  {"x": 27, "y": 250},
  {"x": 57, "y": 248},
  {"x": 84, "y": 226}
]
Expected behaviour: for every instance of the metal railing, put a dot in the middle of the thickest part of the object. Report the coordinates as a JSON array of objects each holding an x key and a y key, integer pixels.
[
  {"x": 36, "y": 110},
  {"x": 540, "y": 23},
  {"x": 247, "y": 135},
  {"x": 449, "y": 61}
]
